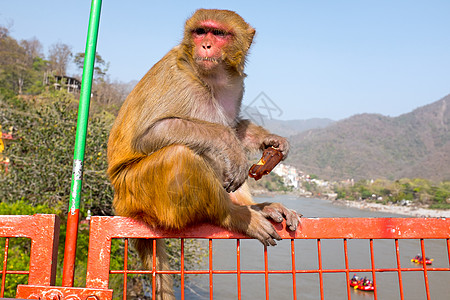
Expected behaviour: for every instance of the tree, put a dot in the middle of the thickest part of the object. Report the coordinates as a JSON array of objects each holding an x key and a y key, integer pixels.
[
  {"x": 104, "y": 91},
  {"x": 59, "y": 57},
  {"x": 13, "y": 63},
  {"x": 4, "y": 32},
  {"x": 34, "y": 63},
  {"x": 32, "y": 47},
  {"x": 21, "y": 64},
  {"x": 41, "y": 159},
  {"x": 101, "y": 66},
  {"x": 109, "y": 93}
]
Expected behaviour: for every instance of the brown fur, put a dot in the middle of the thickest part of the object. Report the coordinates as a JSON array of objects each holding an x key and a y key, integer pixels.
[{"x": 177, "y": 152}]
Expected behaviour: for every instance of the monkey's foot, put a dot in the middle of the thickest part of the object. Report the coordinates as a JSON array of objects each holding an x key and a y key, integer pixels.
[
  {"x": 278, "y": 212},
  {"x": 261, "y": 229}
]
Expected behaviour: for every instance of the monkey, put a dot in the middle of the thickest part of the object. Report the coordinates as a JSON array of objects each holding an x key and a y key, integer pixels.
[{"x": 178, "y": 149}]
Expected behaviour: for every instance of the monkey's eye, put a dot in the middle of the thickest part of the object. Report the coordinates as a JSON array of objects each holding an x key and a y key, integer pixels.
[
  {"x": 219, "y": 32},
  {"x": 200, "y": 31}
]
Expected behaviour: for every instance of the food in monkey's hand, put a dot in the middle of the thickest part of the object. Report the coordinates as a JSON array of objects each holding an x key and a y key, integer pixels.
[{"x": 270, "y": 158}]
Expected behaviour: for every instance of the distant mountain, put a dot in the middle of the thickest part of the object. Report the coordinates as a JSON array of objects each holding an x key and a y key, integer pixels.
[
  {"x": 281, "y": 127},
  {"x": 293, "y": 127},
  {"x": 369, "y": 146}
]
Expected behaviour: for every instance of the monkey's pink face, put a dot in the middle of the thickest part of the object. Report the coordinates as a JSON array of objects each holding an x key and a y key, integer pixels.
[{"x": 210, "y": 38}]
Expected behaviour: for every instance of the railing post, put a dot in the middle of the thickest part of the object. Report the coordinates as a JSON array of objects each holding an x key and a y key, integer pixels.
[{"x": 80, "y": 142}]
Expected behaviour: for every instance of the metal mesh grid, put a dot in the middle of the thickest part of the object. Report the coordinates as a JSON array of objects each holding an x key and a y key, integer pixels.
[{"x": 341, "y": 230}]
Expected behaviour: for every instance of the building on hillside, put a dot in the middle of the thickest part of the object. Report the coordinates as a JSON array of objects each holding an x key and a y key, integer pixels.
[
  {"x": 72, "y": 84},
  {"x": 289, "y": 174},
  {"x": 320, "y": 182}
]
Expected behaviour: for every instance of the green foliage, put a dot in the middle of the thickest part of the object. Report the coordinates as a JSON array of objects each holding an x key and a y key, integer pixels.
[
  {"x": 100, "y": 68},
  {"x": 442, "y": 193},
  {"x": 440, "y": 206},
  {"x": 21, "y": 67},
  {"x": 270, "y": 183},
  {"x": 341, "y": 193},
  {"x": 364, "y": 192},
  {"x": 311, "y": 186},
  {"x": 41, "y": 156},
  {"x": 41, "y": 164},
  {"x": 418, "y": 190},
  {"x": 23, "y": 208}
]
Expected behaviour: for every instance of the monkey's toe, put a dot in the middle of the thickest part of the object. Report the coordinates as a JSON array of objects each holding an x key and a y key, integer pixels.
[
  {"x": 269, "y": 211},
  {"x": 292, "y": 219},
  {"x": 270, "y": 240},
  {"x": 271, "y": 236},
  {"x": 274, "y": 215},
  {"x": 264, "y": 231}
]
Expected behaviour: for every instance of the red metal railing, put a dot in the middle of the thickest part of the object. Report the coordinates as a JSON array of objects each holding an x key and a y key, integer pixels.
[
  {"x": 104, "y": 229},
  {"x": 43, "y": 231}
]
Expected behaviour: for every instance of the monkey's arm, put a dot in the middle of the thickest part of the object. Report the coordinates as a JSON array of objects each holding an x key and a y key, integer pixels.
[
  {"x": 255, "y": 137},
  {"x": 218, "y": 144}
]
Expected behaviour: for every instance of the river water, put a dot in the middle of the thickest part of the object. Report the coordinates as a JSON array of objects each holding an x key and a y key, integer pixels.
[{"x": 334, "y": 287}]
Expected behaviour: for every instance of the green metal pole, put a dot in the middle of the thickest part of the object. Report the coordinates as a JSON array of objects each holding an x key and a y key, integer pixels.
[{"x": 80, "y": 142}]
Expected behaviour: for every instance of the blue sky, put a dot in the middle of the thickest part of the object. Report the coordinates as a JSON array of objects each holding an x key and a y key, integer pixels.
[{"x": 326, "y": 59}]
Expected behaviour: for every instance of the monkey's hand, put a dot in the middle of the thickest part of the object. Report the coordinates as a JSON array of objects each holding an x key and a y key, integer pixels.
[
  {"x": 234, "y": 168},
  {"x": 278, "y": 212},
  {"x": 276, "y": 141}
]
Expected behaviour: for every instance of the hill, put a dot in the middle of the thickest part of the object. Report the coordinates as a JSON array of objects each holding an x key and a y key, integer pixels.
[
  {"x": 283, "y": 127},
  {"x": 366, "y": 146},
  {"x": 294, "y": 127}
]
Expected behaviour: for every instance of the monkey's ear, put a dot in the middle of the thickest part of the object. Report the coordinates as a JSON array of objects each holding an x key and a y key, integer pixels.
[{"x": 250, "y": 33}]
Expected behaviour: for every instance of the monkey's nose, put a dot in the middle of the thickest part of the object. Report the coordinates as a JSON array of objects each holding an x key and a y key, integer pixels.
[{"x": 207, "y": 46}]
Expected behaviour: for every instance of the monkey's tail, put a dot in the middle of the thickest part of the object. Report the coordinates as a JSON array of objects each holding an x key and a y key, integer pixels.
[{"x": 164, "y": 283}]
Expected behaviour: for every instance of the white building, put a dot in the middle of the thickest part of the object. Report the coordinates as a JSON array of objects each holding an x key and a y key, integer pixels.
[{"x": 289, "y": 175}]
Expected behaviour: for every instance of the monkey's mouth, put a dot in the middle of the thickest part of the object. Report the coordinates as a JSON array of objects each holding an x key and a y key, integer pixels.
[{"x": 211, "y": 59}]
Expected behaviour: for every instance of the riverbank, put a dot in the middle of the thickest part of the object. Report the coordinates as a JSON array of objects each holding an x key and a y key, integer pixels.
[{"x": 412, "y": 211}]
